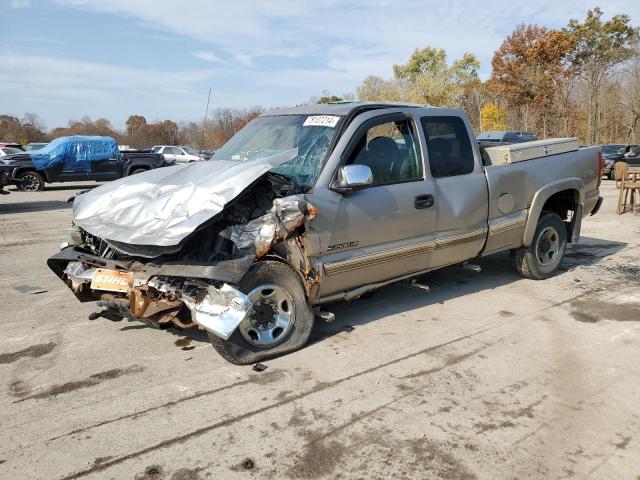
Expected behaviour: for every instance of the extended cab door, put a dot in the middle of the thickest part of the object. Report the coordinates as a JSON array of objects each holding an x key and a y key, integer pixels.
[
  {"x": 460, "y": 188},
  {"x": 386, "y": 229}
]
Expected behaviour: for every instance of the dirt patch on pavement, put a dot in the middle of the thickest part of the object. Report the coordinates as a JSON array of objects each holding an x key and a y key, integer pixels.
[
  {"x": 487, "y": 427},
  {"x": 319, "y": 458},
  {"x": 592, "y": 311},
  {"x": 152, "y": 472},
  {"x": 34, "y": 351},
  {"x": 92, "y": 380},
  {"x": 186, "y": 474}
]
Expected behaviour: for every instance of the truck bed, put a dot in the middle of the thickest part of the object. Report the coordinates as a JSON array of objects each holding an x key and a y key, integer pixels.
[{"x": 512, "y": 187}]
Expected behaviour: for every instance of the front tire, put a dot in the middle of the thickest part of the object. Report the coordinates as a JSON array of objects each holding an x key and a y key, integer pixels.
[
  {"x": 543, "y": 257},
  {"x": 30, "y": 182},
  {"x": 279, "y": 322}
]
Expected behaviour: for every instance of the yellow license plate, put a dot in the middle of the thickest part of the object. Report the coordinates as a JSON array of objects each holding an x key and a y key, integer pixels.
[{"x": 111, "y": 280}]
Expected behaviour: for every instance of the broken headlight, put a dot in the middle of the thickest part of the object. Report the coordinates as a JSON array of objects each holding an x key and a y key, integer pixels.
[{"x": 75, "y": 236}]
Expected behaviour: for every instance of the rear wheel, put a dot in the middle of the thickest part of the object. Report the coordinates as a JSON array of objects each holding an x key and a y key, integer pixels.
[
  {"x": 542, "y": 258},
  {"x": 279, "y": 320},
  {"x": 137, "y": 170},
  {"x": 30, "y": 182}
]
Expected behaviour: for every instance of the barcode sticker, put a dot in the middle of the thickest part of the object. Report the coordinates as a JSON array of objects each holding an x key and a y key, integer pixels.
[{"x": 321, "y": 121}]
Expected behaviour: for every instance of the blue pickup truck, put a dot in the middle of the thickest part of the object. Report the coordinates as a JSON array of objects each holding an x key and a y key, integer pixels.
[{"x": 72, "y": 159}]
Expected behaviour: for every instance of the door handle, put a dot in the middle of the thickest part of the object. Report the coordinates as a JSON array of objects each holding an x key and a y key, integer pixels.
[{"x": 423, "y": 201}]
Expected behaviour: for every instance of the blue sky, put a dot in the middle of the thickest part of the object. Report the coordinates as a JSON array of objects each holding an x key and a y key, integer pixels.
[{"x": 111, "y": 58}]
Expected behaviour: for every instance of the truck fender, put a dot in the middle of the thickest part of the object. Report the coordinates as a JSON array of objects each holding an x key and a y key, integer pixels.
[{"x": 540, "y": 198}]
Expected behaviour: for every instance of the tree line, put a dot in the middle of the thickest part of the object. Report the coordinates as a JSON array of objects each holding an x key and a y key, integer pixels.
[
  {"x": 580, "y": 80},
  {"x": 208, "y": 134}
]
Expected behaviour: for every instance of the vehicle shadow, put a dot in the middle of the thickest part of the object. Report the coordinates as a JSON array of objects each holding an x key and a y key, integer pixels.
[
  {"x": 74, "y": 186},
  {"x": 446, "y": 284},
  {"x": 589, "y": 251},
  {"x": 395, "y": 299},
  {"x": 28, "y": 207}
]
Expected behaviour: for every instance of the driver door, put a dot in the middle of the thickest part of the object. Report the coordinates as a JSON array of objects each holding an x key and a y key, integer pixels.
[{"x": 387, "y": 229}]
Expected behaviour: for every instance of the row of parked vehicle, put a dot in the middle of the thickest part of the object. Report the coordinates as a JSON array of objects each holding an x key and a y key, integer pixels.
[
  {"x": 619, "y": 153},
  {"x": 81, "y": 158}
]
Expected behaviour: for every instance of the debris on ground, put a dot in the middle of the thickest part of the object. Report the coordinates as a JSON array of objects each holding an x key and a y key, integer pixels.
[
  {"x": 259, "y": 367},
  {"x": 29, "y": 289}
]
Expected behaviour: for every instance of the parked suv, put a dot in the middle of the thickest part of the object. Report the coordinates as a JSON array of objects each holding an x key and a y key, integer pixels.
[{"x": 178, "y": 154}]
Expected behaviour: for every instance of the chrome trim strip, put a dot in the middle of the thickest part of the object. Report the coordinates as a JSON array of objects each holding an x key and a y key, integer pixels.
[
  {"x": 377, "y": 258},
  {"x": 455, "y": 240},
  {"x": 506, "y": 225}
]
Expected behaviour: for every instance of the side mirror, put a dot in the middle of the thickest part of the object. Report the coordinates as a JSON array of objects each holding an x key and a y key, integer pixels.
[{"x": 353, "y": 177}]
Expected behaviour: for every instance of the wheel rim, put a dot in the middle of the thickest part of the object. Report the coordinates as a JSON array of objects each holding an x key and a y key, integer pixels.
[
  {"x": 30, "y": 183},
  {"x": 270, "y": 317},
  {"x": 548, "y": 247}
]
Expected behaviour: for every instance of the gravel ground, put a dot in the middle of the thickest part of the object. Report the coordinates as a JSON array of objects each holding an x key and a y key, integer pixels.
[{"x": 488, "y": 376}]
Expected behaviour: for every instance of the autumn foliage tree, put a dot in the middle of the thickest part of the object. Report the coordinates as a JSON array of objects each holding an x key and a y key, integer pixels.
[
  {"x": 426, "y": 78},
  {"x": 493, "y": 117},
  {"x": 529, "y": 69},
  {"x": 599, "y": 46}
]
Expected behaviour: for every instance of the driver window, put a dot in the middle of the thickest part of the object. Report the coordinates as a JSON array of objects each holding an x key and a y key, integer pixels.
[{"x": 390, "y": 151}]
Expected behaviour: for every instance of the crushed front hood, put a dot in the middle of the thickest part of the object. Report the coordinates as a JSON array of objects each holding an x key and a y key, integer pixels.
[{"x": 162, "y": 207}]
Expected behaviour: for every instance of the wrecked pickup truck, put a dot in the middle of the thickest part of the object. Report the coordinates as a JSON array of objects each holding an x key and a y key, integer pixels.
[{"x": 312, "y": 205}]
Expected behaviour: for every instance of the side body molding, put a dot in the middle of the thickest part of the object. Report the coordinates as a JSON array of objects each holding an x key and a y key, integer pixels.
[{"x": 541, "y": 197}]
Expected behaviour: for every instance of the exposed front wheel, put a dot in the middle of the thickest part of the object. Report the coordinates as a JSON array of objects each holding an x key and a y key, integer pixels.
[
  {"x": 279, "y": 320},
  {"x": 542, "y": 258},
  {"x": 30, "y": 182}
]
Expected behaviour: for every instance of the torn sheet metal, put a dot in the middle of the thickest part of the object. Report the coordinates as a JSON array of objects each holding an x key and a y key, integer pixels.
[
  {"x": 260, "y": 234},
  {"x": 162, "y": 207},
  {"x": 221, "y": 310}
]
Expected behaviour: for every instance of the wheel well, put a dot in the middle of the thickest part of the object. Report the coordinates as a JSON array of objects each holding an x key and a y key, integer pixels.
[
  {"x": 20, "y": 171},
  {"x": 565, "y": 204},
  {"x": 137, "y": 167},
  {"x": 562, "y": 203}
]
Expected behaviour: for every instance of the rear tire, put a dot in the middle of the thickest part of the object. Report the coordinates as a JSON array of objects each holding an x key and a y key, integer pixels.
[
  {"x": 244, "y": 346},
  {"x": 137, "y": 170},
  {"x": 30, "y": 182},
  {"x": 543, "y": 257}
]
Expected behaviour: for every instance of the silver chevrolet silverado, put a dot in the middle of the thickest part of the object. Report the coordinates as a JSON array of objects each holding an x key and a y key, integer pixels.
[{"x": 312, "y": 205}]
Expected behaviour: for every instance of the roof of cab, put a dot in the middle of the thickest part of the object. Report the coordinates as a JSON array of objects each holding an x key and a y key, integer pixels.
[{"x": 337, "y": 108}]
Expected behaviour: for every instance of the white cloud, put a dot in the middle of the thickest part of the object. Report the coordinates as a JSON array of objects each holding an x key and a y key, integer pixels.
[
  {"x": 253, "y": 29},
  {"x": 272, "y": 53},
  {"x": 59, "y": 77},
  {"x": 208, "y": 57}
]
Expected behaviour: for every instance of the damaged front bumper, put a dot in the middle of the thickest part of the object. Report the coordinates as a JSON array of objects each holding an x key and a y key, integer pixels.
[{"x": 143, "y": 293}]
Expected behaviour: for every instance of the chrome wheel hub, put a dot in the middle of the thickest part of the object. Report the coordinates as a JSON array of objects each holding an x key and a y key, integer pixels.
[
  {"x": 30, "y": 183},
  {"x": 270, "y": 317},
  {"x": 548, "y": 247}
]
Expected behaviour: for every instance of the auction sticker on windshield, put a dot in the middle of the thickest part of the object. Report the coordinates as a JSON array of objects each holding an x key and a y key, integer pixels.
[
  {"x": 111, "y": 280},
  {"x": 321, "y": 121}
]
